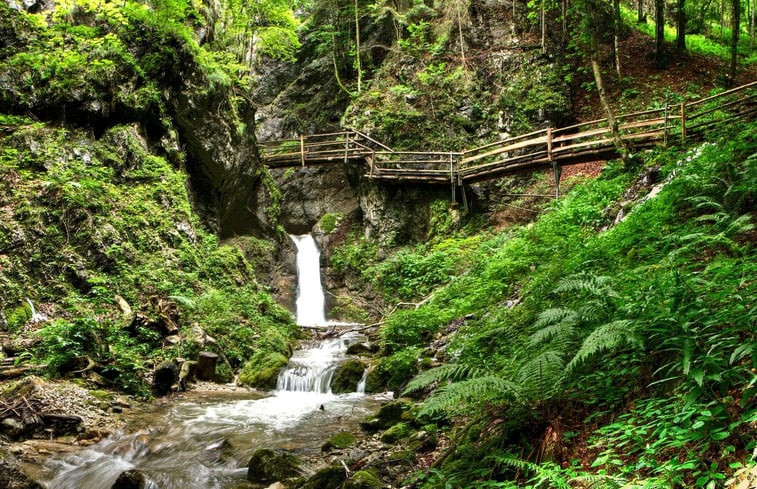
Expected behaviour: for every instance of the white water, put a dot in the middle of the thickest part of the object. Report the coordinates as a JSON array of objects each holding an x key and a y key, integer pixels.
[
  {"x": 310, "y": 299},
  {"x": 37, "y": 317}
]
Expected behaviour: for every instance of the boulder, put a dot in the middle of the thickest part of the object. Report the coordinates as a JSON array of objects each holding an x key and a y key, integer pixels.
[
  {"x": 267, "y": 466},
  {"x": 341, "y": 440},
  {"x": 396, "y": 433},
  {"x": 131, "y": 479},
  {"x": 388, "y": 415},
  {"x": 331, "y": 477},
  {"x": 363, "y": 479},
  {"x": 347, "y": 377}
]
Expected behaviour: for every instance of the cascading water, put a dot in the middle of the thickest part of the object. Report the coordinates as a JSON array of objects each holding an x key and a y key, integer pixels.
[
  {"x": 207, "y": 443},
  {"x": 310, "y": 299}
]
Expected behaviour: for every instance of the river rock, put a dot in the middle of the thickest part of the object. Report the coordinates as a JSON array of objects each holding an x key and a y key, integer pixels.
[
  {"x": 347, "y": 377},
  {"x": 268, "y": 465},
  {"x": 131, "y": 479},
  {"x": 388, "y": 415},
  {"x": 331, "y": 477},
  {"x": 363, "y": 479},
  {"x": 359, "y": 349}
]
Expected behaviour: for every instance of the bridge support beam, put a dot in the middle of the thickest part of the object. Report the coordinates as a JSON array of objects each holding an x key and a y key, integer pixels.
[{"x": 557, "y": 171}]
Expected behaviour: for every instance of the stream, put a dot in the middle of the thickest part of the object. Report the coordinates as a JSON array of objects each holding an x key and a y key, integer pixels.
[{"x": 206, "y": 441}]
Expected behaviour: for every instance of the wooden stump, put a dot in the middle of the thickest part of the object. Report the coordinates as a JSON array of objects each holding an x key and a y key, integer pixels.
[{"x": 206, "y": 365}]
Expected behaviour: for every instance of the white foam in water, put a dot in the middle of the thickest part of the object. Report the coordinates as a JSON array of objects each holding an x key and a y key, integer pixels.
[{"x": 310, "y": 299}]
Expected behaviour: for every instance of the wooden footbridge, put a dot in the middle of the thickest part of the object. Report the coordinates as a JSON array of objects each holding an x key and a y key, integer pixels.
[{"x": 550, "y": 148}]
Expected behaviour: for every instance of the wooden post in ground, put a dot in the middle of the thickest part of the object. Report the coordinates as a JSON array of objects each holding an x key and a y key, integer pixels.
[
  {"x": 683, "y": 122},
  {"x": 206, "y": 365},
  {"x": 302, "y": 149},
  {"x": 556, "y": 169},
  {"x": 665, "y": 138}
]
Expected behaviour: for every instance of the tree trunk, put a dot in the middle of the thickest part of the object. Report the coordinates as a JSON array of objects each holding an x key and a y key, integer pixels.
[
  {"x": 357, "y": 49},
  {"x": 680, "y": 26},
  {"x": 619, "y": 144},
  {"x": 735, "y": 24},
  {"x": 751, "y": 24},
  {"x": 659, "y": 18},
  {"x": 617, "y": 25},
  {"x": 543, "y": 28},
  {"x": 206, "y": 365},
  {"x": 641, "y": 18}
]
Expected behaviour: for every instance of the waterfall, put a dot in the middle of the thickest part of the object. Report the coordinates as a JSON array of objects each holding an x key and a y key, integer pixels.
[
  {"x": 311, "y": 369},
  {"x": 310, "y": 300},
  {"x": 37, "y": 317}
]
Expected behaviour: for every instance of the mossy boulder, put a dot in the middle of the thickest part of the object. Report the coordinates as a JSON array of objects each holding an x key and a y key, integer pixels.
[
  {"x": 396, "y": 433},
  {"x": 347, "y": 377},
  {"x": 331, "y": 477},
  {"x": 263, "y": 375},
  {"x": 341, "y": 440},
  {"x": 363, "y": 479},
  {"x": 267, "y": 466},
  {"x": 359, "y": 349},
  {"x": 388, "y": 415},
  {"x": 375, "y": 381}
]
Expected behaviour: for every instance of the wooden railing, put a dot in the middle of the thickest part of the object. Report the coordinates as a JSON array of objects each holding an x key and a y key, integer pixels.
[{"x": 538, "y": 150}]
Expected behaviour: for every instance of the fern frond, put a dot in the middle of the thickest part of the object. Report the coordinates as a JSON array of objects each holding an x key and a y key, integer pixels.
[
  {"x": 542, "y": 374},
  {"x": 456, "y": 397},
  {"x": 450, "y": 371},
  {"x": 605, "y": 337},
  {"x": 560, "y": 330},
  {"x": 599, "y": 481},
  {"x": 704, "y": 202},
  {"x": 597, "y": 285},
  {"x": 554, "y": 315},
  {"x": 544, "y": 472},
  {"x": 184, "y": 301}
]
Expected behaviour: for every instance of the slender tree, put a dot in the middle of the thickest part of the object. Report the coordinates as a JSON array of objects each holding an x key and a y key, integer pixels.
[
  {"x": 640, "y": 17},
  {"x": 680, "y": 26},
  {"x": 735, "y": 24},
  {"x": 358, "y": 63},
  {"x": 659, "y": 18},
  {"x": 617, "y": 26}
]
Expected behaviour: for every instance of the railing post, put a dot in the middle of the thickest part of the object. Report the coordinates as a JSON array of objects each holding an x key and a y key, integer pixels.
[
  {"x": 556, "y": 168},
  {"x": 665, "y": 134},
  {"x": 302, "y": 149},
  {"x": 346, "y": 147},
  {"x": 683, "y": 122},
  {"x": 549, "y": 144}
]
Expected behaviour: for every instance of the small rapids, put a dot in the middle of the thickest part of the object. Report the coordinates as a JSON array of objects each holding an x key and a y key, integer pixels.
[{"x": 207, "y": 443}]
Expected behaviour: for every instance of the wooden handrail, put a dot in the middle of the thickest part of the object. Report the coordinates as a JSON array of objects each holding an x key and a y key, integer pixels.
[{"x": 526, "y": 152}]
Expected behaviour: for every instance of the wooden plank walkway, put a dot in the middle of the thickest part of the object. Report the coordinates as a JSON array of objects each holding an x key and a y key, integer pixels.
[{"x": 550, "y": 148}]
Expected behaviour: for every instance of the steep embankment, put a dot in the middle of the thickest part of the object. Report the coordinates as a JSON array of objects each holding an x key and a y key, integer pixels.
[
  {"x": 612, "y": 340},
  {"x": 120, "y": 124}
]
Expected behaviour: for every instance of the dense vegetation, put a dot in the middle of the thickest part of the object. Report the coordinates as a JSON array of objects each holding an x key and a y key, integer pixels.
[{"x": 624, "y": 350}]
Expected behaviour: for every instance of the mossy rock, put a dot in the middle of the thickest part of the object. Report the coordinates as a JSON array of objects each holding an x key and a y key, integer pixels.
[
  {"x": 268, "y": 466},
  {"x": 263, "y": 376},
  {"x": 375, "y": 381},
  {"x": 363, "y": 479},
  {"x": 396, "y": 433},
  {"x": 331, "y": 477},
  {"x": 360, "y": 349},
  {"x": 347, "y": 377},
  {"x": 341, "y": 440},
  {"x": 388, "y": 415}
]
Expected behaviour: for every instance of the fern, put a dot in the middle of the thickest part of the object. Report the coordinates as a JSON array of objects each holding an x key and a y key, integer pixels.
[
  {"x": 542, "y": 473},
  {"x": 541, "y": 375},
  {"x": 554, "y": 315},
  {"x": 560, "y": 330},
  {"x": 599, "y": 286},
  {"x": 605, "y": 337},
  {"x": 452, "y": 371},
  {"x": 457, "y": 397}
]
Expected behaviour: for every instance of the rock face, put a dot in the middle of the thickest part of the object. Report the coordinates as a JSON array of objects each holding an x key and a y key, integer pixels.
[
  {"x": 131, "y": 479},
  {"x": 347, "y": 376},
  {"x": 11, "y": 477}
]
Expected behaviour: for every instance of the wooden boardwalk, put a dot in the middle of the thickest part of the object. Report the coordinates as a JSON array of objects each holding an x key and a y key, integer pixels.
[{"x": 550, "y": 148}]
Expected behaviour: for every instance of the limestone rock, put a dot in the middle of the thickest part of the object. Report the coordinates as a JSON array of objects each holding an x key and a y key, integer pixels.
[
  {"x": 331, "y": 477},
  {"x": 164, "y": 376}
]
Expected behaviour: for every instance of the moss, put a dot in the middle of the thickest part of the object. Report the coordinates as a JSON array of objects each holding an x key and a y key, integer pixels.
[
  {"x": 396, "y": 433},
  {"x": 363, "y": 479},
  {"x": 262, "y": 373},
  {"x": 388, "y": 415},
  {"x": 329, "y": 222},
  {"x": 331, "y": 477},
  {"x": 347, "y": 376},
  {"x": 273, "y": 465},
  {"x": 17, "y": 317},
  {"x": 341, "y": 440}
]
